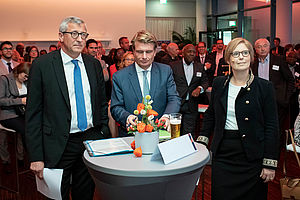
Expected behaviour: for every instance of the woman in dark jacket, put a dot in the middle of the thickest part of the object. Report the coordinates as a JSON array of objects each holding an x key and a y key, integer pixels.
[
  {"x": 242, "y": 115},
  {"x": 13, "y": 93}
]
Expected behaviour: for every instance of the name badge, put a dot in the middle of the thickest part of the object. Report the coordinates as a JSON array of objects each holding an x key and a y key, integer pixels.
[
  {"x": 275, "y": 67},
  {"x": 297, "y": 74},
  {"x": 199, "y": 74}
]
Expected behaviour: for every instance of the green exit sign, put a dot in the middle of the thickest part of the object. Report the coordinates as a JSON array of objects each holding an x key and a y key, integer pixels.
[
  {"x": 163, "y": 1},
  {"x": 232, "y": 23}
]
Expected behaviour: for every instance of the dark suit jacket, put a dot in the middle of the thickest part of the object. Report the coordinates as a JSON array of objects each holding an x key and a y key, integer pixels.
[
  {"x": 282, "y": 79},
  {"x": 199, "y": 79},
  {"x": 256, "y": 116},
  {"x": 167, "y": 59},
  {"x": 280, "y": 50},
  {"x": 126, "y": 92},
  {"x": 48, "y": 112}
]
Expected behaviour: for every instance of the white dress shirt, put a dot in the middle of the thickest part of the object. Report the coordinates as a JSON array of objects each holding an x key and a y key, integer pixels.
[
  {"x": 69, "y": 74},
  {"x": 140, "y": 75},
  {"x": 5, "y": 64},
  {"x": 263, "y": 68},
  {"x": 188, "y": 71}
]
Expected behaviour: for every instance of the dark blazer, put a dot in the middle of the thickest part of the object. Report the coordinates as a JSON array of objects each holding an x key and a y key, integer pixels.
[
  {"x": 282, "y": 79},
  {"x": 48, "y": 112},
  {"x": 126, "y": 92},
  {"x": 166, "y": 59},
  {"x": 199, "y": 79},
  {"x": 280, "y": 50},
  {"x": 256, "y": 115},
  {"x": 8, "y": 93}
]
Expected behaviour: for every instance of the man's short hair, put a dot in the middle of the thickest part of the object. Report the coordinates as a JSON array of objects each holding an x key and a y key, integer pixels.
[
  {"x": 202, "y": 43},
  {"x": 145, "y": 37},
  {"x": 52, "y": 45},
  {"x": 297, "y": 47},
  {"x": 64, "y": 24},
  {"x": 90, "y": 41},
  {"x": 260, "y": 39},
  {"x": 277, "y": 38},
  {"x": 186, "y": 46},
  {"x": 122, "y": 38},
  {"x": 5, "y": 42}
]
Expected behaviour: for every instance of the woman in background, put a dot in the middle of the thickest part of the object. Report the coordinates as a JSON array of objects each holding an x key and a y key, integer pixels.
[
  {"x": 33, "y": 54},
  {"x": 13, "y": 91},
  {"x": 127, "y": 59},
  {"x": 242, "y": 114}
]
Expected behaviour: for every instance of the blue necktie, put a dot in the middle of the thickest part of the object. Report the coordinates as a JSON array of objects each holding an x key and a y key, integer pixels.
[
  {"x": 146, "y": 84},
  {"x": 80, "y": 105}
]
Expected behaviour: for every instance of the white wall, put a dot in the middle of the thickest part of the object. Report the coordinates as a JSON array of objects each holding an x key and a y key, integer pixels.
[
  {"x": 31, "y": 20},
  {"x": 171, "y": 9}
]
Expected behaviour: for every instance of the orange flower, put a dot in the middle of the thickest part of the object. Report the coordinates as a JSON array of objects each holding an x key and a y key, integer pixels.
[
  {"x": 152, "y": 112},
  {"x": 138, "y": 152},
  {"x": 149, "y": 128},
  {"x": 141, "y": 127},
  {"x": 140, "y": 107},
  {"x": 133, "y": 145}
]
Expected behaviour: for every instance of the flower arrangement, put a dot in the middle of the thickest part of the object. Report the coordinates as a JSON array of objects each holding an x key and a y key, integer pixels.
[{"x": 147, "y": 123}]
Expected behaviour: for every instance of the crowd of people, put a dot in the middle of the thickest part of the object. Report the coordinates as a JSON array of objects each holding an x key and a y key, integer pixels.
[{"x": 76, "y": 92}]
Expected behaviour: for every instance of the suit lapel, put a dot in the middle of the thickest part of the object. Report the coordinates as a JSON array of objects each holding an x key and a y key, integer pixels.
[
  {"x": 91, "y": 77},
  {"x": 181, "y": 71},
  {"x": 154, "y": 80},
  {"x": 60, "y": 75},
  {"x": 133, "y": 79}
]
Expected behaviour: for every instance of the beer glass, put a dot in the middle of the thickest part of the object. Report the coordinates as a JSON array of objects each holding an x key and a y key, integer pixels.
[{"x": 175, "y": 121}]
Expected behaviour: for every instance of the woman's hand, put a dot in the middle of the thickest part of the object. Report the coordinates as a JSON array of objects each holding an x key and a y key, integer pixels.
[
  {"x": 267, "y": 174},
  {"x": 24, "y": 100}
]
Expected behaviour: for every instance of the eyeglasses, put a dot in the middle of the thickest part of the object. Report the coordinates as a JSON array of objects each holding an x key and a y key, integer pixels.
[
  {"x": 129, "y": 59},
  {"x": 75, "y": 34},
  {"x": 236, "y": 54},
  {"x": 7, "y": 49}
]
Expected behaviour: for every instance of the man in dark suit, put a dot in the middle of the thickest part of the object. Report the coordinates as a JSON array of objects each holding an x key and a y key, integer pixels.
[
  {"x": 191, "y": 83},
  {"x": 277, "y": 50},
  {"x": 65, "y": 106},
  {"x": 172, "y": 54},
  {"x": 144, "y": 77},
  {"x": 274, "y": 69},
  {"x": 215, "y": 58}
]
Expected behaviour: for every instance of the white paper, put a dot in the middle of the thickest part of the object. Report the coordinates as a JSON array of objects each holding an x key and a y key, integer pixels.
[
  {"x": 177, "y": 148},
  {"x": 156, "y": 154},
  {"x": 275, "y": 67},
  {"x": 50, "y": 185},
  {"x": 107, "y": 146}
]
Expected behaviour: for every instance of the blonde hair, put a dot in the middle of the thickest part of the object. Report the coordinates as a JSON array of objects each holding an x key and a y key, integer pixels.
[
  {"x": 145, "y": 37},
  {"x": 233, "y": 44},
  {"x": 122, "y": 64}
]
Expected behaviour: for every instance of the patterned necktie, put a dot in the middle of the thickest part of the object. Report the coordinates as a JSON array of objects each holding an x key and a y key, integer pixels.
[
  {"x": 9, "y": 67},
  {"x": 145, "y": 84},
  {"x": 80, "y": 105}
]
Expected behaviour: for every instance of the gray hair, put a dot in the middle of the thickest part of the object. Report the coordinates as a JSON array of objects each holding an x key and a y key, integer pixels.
[
  {"x": 260, "y": 40},
  {"x": 71, "y": 19}
]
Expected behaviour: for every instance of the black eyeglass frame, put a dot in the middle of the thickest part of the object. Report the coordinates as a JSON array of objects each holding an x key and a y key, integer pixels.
[
  {"x": 244, "y": 53},
  {"x": 75, "y": 34}
]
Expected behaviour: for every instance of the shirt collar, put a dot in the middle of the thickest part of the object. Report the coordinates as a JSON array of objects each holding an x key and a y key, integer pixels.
[
  {"x": 66, "y": 59},
  {"x": 266, "y": 59},
  {"x": 139, "y": 69},
  {"x": 184, "y": 63},
  {"x": 5, "y": 62}
]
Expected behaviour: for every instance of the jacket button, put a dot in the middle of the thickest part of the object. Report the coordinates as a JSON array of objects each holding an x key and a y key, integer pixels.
[
  {"x": 246, "y": 118},
  {"x": 248, "y": 89},
  {"x": 243, "y": 136},
  {"x": 247, "y": 102}
]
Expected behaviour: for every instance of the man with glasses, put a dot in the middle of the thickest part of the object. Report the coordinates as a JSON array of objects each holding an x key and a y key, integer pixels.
[
  {"x": 66, "y": 105},
  {"x": 144, "y": 77},
  {"x": 204, "y": 59},
  {"x": 6, "y": 66},
  {"x": 274, "y": 69}
]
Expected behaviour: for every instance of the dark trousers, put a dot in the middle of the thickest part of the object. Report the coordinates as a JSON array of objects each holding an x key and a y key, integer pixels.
[
  {"x": 82, "y": 186},
  {"x": 188, "y": 121}
]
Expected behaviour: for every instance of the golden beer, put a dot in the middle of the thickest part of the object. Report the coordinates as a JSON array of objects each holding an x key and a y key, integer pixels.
[{"x": 175, "y": 128}]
